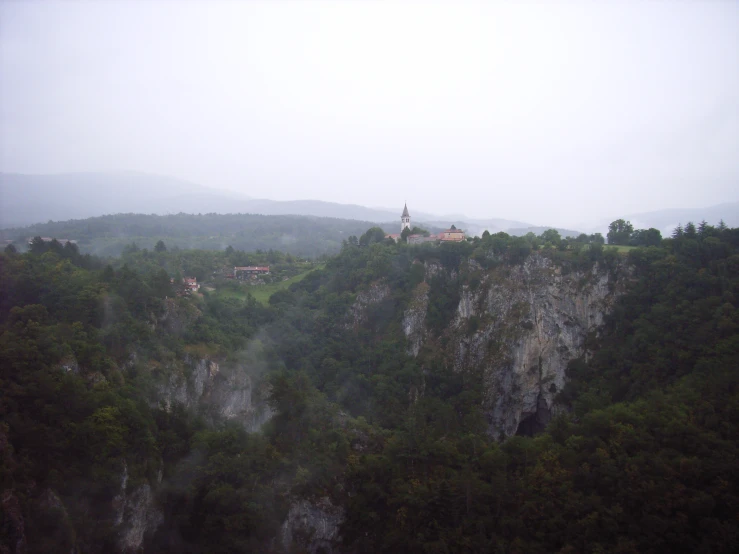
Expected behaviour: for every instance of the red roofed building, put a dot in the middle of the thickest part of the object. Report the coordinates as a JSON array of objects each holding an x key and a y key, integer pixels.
[
  {"x": 191, "y": 284},
  {"x": 243, "y": 272}
]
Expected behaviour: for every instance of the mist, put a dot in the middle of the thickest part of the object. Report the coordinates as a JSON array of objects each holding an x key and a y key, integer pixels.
[{"x": 554, "y": 113}]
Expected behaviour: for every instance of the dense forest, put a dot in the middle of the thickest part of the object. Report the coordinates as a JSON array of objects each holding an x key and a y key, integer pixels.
[{"x": 391, "y": 449}]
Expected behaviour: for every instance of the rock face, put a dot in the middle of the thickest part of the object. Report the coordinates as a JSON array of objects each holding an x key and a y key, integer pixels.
[
  {"x": 358, "y": 312},
  {"x": 530, "y": 321},
  {"x": 229, "y": 393},
  {"x": 136, "y": 515},
  {"x": 414, "y": 318},
  {"x": 313, "y": 526}
]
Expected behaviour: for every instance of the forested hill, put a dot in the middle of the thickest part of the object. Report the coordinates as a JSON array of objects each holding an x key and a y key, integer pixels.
[
  {"x": 108, "y": 235},
  {"x": 509, "y": 394}
]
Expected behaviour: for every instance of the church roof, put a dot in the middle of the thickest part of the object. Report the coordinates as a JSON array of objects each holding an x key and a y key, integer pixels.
[{"x": 405, "y": 211}]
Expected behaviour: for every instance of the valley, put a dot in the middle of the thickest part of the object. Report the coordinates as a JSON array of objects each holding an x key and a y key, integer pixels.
[{"x": 394, "y": 398}]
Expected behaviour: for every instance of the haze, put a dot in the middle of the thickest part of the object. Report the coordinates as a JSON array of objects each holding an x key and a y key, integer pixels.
[{"x": 552, "y": 113}]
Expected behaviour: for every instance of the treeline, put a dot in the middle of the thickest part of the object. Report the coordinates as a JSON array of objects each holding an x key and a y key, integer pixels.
[
  {"x": 108, "y": 235},
  {"x": 622, "y": 232}
]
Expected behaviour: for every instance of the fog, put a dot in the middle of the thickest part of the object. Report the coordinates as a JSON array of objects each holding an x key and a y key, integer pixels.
[{"x": 555, "y": 113}]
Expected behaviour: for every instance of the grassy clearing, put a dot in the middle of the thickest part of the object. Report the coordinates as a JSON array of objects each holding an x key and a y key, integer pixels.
[{"x": 262, "y": 293}]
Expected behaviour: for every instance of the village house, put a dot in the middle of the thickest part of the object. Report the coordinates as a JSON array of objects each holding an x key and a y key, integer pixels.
[
  {"x": 191, "y": 284},
  {"x": 250, "y": 271},
  {"x": 451, "y": 235}
]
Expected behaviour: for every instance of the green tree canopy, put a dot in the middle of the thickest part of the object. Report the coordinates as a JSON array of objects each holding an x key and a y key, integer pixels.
[{"x": 619, "y": 232}]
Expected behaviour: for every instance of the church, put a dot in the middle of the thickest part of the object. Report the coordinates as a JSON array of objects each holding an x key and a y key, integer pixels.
[{"x": 450, "y": 235}]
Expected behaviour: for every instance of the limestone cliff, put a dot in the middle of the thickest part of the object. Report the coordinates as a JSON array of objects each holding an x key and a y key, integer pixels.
[
  {"x": 136, "y": 514},
  {"x": 230, "y": 392},
  {"x": 364, "y": 301},
  {"x": 521, "y": 325},
  {"x": 414, "y": 318}
]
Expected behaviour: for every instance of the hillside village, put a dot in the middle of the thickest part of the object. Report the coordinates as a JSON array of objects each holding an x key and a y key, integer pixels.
[{"x": 406, "y": 231}]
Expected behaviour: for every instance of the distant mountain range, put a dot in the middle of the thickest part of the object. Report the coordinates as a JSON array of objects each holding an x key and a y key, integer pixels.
[
  {"x": 29, "y": 199},
  {"x": 667, "y": 220}
]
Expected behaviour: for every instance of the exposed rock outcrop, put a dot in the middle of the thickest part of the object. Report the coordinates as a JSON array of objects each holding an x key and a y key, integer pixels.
[
  {"x": 414, "y": 318},
  {"x": 358, "y": 312},
  {"x": 136, "y": 515},
  {"x": 69, "y": 363},
  {"x": 533, "y": 321},
  {"x": 530, "y": 321},
  {"x": 313, "y": 526},
  {"x": 230, "y": 393}
]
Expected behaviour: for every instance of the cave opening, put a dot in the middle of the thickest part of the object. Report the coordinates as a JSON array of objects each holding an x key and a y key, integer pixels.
[{"x": 534, "y": 423}]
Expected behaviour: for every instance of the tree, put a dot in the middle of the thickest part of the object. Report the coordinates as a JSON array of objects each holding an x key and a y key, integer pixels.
[
  {"x": 551, "y": 237},
  {"x": 419, "y": 231},
  {"x": 71, "y": 250},
  {"x": 131, "y": 248},
  {"x": 597, "y": 238},
  {"x": 160, "y": 247},
  {"x": 646, "y": 237},
  {"x": 373, "y": 235},
  {"x": 160, "y": 284},
  {"x": 37, "y": 246},
  {"x": 108, "y": 274},
  {"x": 619, "y": 232},
  {"x": 10, "y": 249}
]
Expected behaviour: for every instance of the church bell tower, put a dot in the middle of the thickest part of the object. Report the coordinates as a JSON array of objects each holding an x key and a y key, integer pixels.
[{"x": 405, "y": 219}]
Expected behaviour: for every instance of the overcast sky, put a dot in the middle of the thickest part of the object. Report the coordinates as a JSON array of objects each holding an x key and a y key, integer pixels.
[{"x": 554, "y": 113}]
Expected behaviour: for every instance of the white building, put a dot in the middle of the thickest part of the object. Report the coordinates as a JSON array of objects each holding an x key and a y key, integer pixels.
[{"x": 405, "y": 219}]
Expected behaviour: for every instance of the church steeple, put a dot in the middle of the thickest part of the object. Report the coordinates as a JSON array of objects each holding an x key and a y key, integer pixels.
[{"x": 405, "y": 219}]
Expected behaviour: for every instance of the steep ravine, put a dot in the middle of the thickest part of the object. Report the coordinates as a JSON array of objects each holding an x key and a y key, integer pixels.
[{"x": 518, "y": 325}]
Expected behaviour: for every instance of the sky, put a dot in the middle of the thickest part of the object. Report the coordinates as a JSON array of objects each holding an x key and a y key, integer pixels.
[{"x": 547, "y": 112}]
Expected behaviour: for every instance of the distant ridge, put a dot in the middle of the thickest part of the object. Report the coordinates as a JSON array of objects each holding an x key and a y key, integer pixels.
[
  {"x": 729, "y": 212},
  {"x": 666, "y": 220},
  {"x": 30, "y": 199},
  {"x": 538, "y": 230}
]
